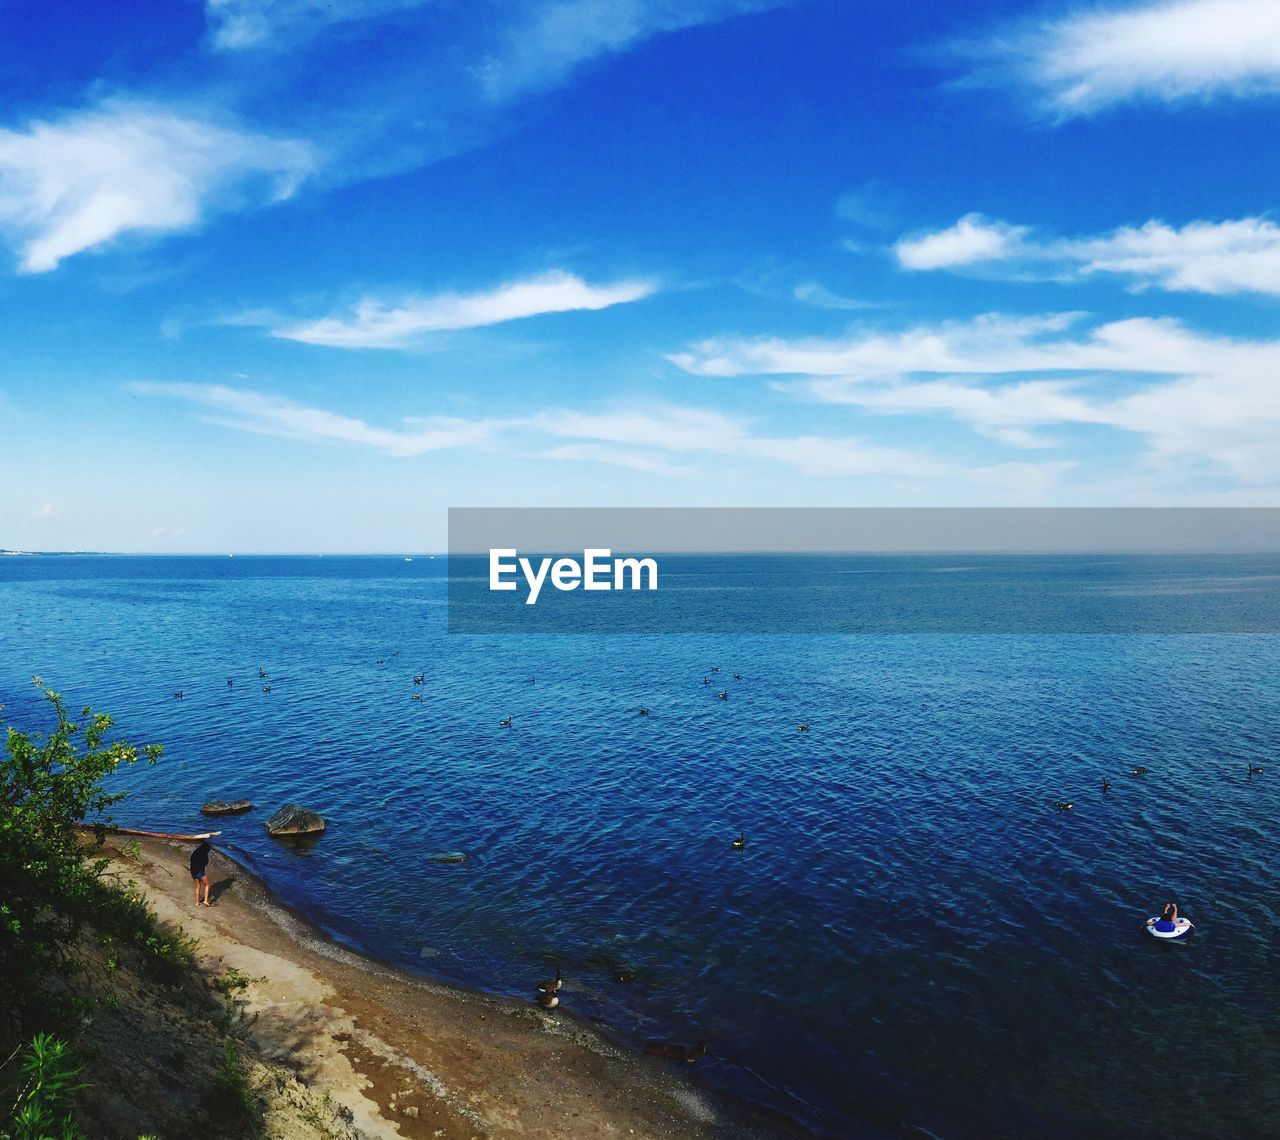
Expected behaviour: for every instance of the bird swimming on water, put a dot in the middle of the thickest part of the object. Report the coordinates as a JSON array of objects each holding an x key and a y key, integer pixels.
[
  {"x": 266, "y": 688},
  {"x": 1141, "y": 771},
  {"x": 1255, "y": 770},
  {"x": 1106, "y": 784},
  {"x": 505, "y": 722},
  {"x": 723, "y": 696},
  {"x": 802, "y": 728},
  {"x": 671, "y": 1052},
  {"x": 419, "y": 678},
  {"x": 231, "y": 682},
  {"x": 179, "y": 694},
  {"x": 551, "y": 985},
  {"x": 1064, "y": 805},
  {"x": 644, "y": 712},
  {"x": 740, "y": 843},
  {"x": 262, "y": 672}
]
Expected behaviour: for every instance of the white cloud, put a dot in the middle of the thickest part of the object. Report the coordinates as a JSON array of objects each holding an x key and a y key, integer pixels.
[
  {"x": 995, "y": 343},
  {"x": 383, "y": 324},
  {"x": 972, "y": 239},
  {"x": 553, "y": 38},
  {"x": 816, "y": 294},
  {"x": 239, "y": 24},
  {"x": 1167, "y": 51},
  {"x": 1193, "y": 399},
  {"x": 246, "y": 410},
  {"x": 676, "y": 429},
  {"x": 1236, "y": 256},
  {"x": 78, "y": 182},
  {"x": 651, "y": 440}
]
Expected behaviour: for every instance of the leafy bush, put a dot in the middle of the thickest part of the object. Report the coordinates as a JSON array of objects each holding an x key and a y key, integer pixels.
[
  {"x": 49, "y": 880},
  {"x": 46, "y": 1083},
  {"x": 229, "y": 1097}
]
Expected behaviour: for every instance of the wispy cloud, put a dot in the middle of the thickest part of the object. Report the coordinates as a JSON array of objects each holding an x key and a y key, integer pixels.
[
  {"x": 246, "y": 410},
  {"x": 666, "y": 440},
  {"x": 674, "y": 429},
  {"x": 373, "y": 323},
  {"x": 1236, "y": 256},
  {"x": 236, "y": 25},
  {"x": 1195, "y": 399},
  {"x": 78, "y": 181},
  {"x": 1166, "y": 52},
  {"x": 551, "y": 39}
]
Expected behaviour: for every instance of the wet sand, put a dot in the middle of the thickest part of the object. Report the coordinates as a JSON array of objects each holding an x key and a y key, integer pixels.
[{"x": 401, "y": 1056}]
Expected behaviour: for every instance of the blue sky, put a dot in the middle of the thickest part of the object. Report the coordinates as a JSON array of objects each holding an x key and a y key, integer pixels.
[{"x": 293, "y": 275}]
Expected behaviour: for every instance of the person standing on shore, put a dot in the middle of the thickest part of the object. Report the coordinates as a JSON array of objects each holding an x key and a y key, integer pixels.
[{"x": 200, "y": 872}]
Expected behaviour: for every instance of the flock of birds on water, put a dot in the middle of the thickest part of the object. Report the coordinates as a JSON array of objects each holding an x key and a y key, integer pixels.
[
  {"x": 1067, "y": 805},
  {"x": 548, "y": 991}
]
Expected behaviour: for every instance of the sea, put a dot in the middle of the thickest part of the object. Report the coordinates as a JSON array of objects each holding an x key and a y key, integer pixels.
[{"x": 914, "y": 939}]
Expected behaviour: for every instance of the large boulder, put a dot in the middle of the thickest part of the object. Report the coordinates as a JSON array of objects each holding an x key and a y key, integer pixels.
[
  {"x": 294, "y": 820},
  {"x": 227, "y": 807}
]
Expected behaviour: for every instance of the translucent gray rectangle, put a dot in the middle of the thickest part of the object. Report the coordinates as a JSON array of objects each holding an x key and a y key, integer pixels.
[{"x": 906, "y": 571}]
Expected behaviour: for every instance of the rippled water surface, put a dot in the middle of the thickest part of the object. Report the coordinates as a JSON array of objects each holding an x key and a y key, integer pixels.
[{"x": 913, "y": 934}]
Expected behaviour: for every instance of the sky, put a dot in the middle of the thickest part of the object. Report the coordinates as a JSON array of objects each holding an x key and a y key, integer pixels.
[{"x": 299, "y": 275}]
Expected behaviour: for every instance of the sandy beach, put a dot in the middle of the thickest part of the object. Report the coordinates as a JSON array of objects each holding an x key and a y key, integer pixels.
[{"x": 395, "y": 1055}]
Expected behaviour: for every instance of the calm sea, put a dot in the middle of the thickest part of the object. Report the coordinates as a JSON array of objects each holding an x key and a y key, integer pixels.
[{"x": 913, "y": 935}]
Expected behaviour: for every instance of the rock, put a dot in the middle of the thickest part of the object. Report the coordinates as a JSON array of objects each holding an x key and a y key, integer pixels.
[
  {"x": 227, "y": 807},
  {"x": 294, "y": 820}
]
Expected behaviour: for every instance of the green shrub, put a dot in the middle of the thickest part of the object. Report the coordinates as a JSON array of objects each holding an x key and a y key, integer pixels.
[
  {"x": 42, "y": 1102},
  {"x": 49, "y": 875},
  {"x": 229, "y": 1097}
]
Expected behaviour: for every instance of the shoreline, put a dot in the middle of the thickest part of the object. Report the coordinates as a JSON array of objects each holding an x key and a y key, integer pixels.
[{"x": 409, "y": 1056}]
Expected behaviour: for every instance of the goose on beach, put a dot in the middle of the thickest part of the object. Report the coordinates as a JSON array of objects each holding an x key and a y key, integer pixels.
[
  {"x": 688, "y": 1054},
  {"x": 551, "y": 985},
  {"x": 548, "y": 1001}
]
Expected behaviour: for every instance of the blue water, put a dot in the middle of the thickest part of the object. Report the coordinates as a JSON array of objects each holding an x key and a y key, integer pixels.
[{"x": 913, "y": 934}]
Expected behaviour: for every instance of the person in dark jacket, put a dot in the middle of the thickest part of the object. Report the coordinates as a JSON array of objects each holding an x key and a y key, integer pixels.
[{"x": 200, "y": 873}]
